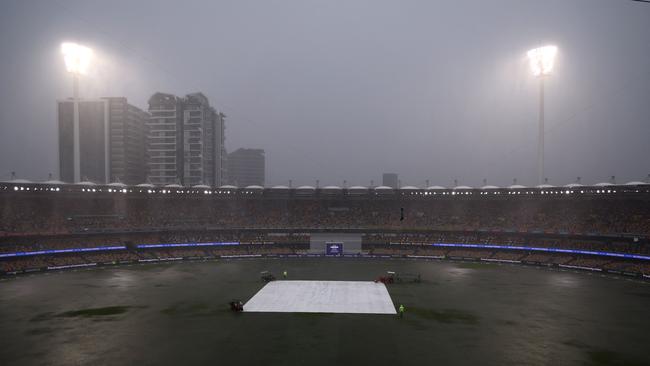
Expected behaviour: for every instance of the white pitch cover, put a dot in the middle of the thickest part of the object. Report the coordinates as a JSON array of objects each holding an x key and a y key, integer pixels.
[{"x": 353, "y": 297}]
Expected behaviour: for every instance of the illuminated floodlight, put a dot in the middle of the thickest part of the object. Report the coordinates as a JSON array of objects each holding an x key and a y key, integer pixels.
[
  {"x": 77, "y": 57},
  {"x": 542, "y": 60}
]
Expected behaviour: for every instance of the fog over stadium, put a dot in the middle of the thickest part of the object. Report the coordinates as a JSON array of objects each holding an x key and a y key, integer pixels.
[
  {"x": 300, "y": 182},
  {"x": 335, "y": 91}
]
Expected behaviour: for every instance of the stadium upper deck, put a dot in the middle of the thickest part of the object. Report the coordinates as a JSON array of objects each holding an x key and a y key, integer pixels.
[
  {"x": 228, "y": 191},
  {"x": 46, "y": 209}
]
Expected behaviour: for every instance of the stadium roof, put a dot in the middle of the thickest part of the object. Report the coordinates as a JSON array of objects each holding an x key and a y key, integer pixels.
[
  {"x": 384, "y": 190},
  {"x": 516, "y": 186},
  {"x": 463, "y": 187},
  {"x": 357, "y": 188},
  {"x": 19, "y": 181},
  {"x": 489, "y": 187},
  {"x": 636, "y": 183},
  {"x": 53, "y": 181},
  {"x": 545, "y": 186},
  {"x": 436, "y": 188},
  {"x": 254, "y": 187}
]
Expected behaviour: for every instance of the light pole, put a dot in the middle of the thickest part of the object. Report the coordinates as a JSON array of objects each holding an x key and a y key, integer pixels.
[
  {"x": 541, "y": 64},
  {"x": 77, "y": 59}
]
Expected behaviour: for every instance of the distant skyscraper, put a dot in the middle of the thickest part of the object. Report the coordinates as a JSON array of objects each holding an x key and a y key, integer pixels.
[
  {"x": 165, "y": 139},
  {"x": 185, "y": 141},
  {"x": 203, "y": 141},
  {"x": 390, "y": 180},
  {"x": 246, "y": 167},
  {"x": 128, "y": 138},
  {"x": 111, "y": 134},
  {"x": 221, "y": 160}
]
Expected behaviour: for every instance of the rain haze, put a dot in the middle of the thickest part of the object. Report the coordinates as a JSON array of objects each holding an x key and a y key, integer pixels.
[
  {"x": 331, "y": 182},
  {"x": 348, "y": 90}
]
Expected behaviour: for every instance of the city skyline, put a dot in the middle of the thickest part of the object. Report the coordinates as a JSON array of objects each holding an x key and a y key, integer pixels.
[{"x": 350, "y": 97}]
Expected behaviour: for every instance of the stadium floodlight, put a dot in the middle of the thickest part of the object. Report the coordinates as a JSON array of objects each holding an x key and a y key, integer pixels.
[
  {"x": 542, "y": 60},
  {"x": 76, "y": 57},
  {"x": 77, "y": 61}
]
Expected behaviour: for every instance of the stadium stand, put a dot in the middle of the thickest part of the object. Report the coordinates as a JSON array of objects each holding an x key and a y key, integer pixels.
[{"x": 47, "y": 227}]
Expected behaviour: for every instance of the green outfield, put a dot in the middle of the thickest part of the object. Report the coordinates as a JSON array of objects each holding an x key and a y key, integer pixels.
[{"x": 460, "y": 314}]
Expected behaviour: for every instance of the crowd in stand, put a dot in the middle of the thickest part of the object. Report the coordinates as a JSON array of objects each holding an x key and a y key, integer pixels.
[
  {"x": 31, "y": 222},
  {"x": 540, "y": 258},
  {"x": 301, "y": 246},
  {"x": 24, "y": 213},
  {"x": 115, "y": 257},
  {"x": 59, "y": 242},
  {"x": 602, "y": 244}
]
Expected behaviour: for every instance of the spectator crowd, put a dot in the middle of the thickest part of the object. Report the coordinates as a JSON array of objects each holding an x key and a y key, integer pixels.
[{"x": 31, "y": 222}]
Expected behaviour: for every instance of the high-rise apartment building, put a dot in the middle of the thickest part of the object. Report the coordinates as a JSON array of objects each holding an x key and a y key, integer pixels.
[
  {"x": 390, "y": 180},
  {"x": 185, "y": 141},
  {"x": 165, "y": 158},
  {"x": 246, "y": 167},
  {"x": 128, "y": 138},
  {"x": 111, "y": 141}
]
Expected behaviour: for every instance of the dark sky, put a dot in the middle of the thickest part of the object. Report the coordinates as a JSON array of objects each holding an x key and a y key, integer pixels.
[{"x": 335, "y": 90}]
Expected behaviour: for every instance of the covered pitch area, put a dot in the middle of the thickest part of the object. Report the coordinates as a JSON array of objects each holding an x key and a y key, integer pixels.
[{"x": 347, "y": 297}]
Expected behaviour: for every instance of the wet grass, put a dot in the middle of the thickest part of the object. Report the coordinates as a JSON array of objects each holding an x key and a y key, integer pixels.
[
  {"x": 508, "y": 322},
  {"x": 575, "y": 343},
  {"x": 476, "y": 265},
  {"x": 601, "y": 357},
  {"x": 92, "y": 312},
  {"x": 640, "y": 294},
  {"x": 415, "y": 323},
  {"x": 39, "y": 331},
  {"x": 605, "y": 357},
  {"x": 104, "y": 313},
  {"x": 42, "y": 317},
  {"x": 194, "y": 310},
  {"x": 431, "y": 330},
  {"x": 448, "y": 316}
]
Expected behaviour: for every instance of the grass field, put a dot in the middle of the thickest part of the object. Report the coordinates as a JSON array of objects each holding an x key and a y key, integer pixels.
[{"x": 461, "y": 314}]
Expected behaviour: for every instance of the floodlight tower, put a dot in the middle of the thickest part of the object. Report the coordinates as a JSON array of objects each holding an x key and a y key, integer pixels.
[
  {"x": 541, "y": 64},
  {"x": 77, "y": 60}
]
